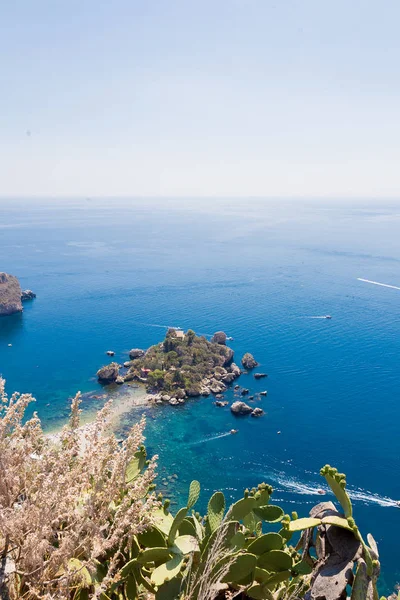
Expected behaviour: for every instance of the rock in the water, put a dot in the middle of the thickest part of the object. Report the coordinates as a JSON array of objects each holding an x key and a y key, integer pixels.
[
  {"x": 228, "y": 378},
  {"x": 136, "y": 353},
  {"x": 27, "y": 295},
  {"x": 216, "y": 387},
  {"x": 257, "y": 412},
  {"x": 120, "y": 380},
  {"x": 260, "y": 375},
  {"x": 219, "y": 338},
  {"x": 221, "y": 402},
  {"x": 235, "y": 370},
  {"x": 248, "y": 361},
  {"x": 219, "y": 397},
  {"x": 244, "y": 392},
  {"x": 241, "y": 408},
  {"x": 237, "y": 387},
  {"x": 264, "y": 393},
  {"x": 173, "y": 402},
  {"x": 127, "y": 364},
  {"x": 10, "y": 295},
  {"x": 108, "y": 373},
  {"x": 110, "y": 352}
]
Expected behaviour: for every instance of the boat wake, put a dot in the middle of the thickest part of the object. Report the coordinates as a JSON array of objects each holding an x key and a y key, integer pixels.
[
  {"x": 210, "y": 439},
  {"x": 292, "y": 485},
  {"x": 393, "y": 287},
  {"x": 318, "y": 317}
]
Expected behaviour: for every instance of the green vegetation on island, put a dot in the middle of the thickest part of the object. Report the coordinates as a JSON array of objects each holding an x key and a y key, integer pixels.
[{"x": 184, "y": 364}]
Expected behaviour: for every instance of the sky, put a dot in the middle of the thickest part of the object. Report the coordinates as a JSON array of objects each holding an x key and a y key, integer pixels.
[{"x": 200, "y": 98}]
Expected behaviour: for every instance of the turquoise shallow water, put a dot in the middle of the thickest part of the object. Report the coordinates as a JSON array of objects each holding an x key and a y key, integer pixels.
[{"x": 113, "y": 275}]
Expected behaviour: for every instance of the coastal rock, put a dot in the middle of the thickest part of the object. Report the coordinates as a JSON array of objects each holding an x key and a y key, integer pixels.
[
  {"x": 241, "y": 408},
  {"x": 136, "y": 353},
  {"x": 219, "y": 397},
  {"x": 120, "y": 380},
  {"x": 180, "y": 393},
  {"x": 244, "y": 392},
  {"x": 10, "y": 295},
  {"x": 219, "y": 373},
  {"x": 127, "y": 364},
  {"x": 221, "y": 402},
  {"x": 248, "y": 361},
  {"x": 228, "y": 378},
  {"x": 227, "y": 356},
  {"x": 205, "y": 391},
  {"x": 110, "y": 352},
  {"x": 260, "y": 375},
  {"x": 108, "y": 373},
  {"x": 235, "y": 370},
  {"x": 219, "y": 338},
  {"x": 165, "y": 398},
  {"x": 237, "y": 387},
  {"x": 173, "y": 402},
  {"x": 257, "y": 412},
  {"x": 27, "y": 295},
  {"x": 130, "y": 376},
  {"x": 216, "y": 387}
]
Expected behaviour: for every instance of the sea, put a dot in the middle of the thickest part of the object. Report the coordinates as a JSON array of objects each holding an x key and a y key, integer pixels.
[{"x": 112, "y": 274}]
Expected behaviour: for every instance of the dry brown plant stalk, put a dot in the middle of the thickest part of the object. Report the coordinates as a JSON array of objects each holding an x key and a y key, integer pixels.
[{"x": 58, "y": 503}]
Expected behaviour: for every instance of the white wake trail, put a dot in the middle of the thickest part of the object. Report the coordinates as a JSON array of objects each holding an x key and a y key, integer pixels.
[
  {"x": 210, "y": 439},
  {"x": 393, "y": 287},
  {"x": 299, "y": 487}
]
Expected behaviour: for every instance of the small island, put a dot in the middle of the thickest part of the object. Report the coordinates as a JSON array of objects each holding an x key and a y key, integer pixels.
[
  {"x": 183, "y": 365},
  {"x": 11, "y": 295}
]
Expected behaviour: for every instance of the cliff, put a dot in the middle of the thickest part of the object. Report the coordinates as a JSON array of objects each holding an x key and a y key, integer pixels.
[{"x": 10, "y": 295}]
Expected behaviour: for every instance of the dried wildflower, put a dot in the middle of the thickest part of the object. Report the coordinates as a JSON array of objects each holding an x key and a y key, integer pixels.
[{"x": 65, "y": 505}]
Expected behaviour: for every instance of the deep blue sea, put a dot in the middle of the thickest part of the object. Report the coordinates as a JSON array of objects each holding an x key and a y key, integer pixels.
[{"x": 112, "y": 274}]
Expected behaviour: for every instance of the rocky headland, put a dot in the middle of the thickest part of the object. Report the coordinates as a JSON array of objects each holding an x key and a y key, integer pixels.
[
  {"x": 184, "y": 365},
  {"x": 11, "y": 295}
]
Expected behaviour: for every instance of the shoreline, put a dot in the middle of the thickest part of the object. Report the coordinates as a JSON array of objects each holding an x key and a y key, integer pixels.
[{"x": 124, "y": 400}]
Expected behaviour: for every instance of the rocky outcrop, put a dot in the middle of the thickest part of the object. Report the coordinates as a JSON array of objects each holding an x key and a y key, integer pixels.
[
  {"x": 27, "y": 295},
  {"x": 227, "y": 356},
  {"x": 248, "y": 361},
  {"x": 136, "y": 353},
  {"x": 221, "y": 403},
  {"x": 10, "y": 295},
  {"x": 260, "y": 375},
  {"x": 338, "y": 551},
  {"x": 241, "y": 408},
  {"x": 216, "y": 387},
  {"x": 219, "y": 337},
  {"x": 235, "y": 370},
  {"x": 257, "y": 412},
  {"x": 108, "y": 373}
]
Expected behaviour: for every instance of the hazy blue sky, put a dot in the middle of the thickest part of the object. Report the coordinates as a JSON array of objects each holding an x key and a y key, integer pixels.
[{"x": 200, "y": 97}]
